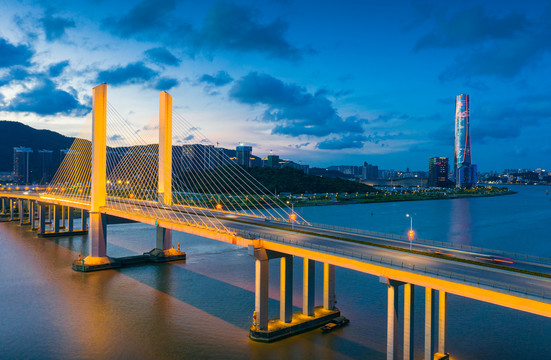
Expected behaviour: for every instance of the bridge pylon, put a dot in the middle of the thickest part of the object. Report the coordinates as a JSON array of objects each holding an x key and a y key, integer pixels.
[{"x": 164, "y": 187}]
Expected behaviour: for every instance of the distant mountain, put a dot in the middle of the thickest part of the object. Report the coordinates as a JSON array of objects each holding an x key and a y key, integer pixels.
[{"x": 15, "y": 134}]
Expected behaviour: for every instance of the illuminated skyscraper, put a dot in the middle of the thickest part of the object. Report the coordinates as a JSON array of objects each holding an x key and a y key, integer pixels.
[
  {"x": 463, "y": 167},
  {"x": 438, "y": 171}
]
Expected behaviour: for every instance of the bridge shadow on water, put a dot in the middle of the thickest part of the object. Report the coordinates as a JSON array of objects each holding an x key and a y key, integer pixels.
[{"x": 229, "y": 303}]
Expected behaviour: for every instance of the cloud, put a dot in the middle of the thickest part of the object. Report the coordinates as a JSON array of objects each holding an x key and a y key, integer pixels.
[
  {"x": 162, "y": 56},
  {"x": 166, "y": 84},
  {"x": 54, "y": 27},
  {"x": 353, "y": 141},
  {"x": 14, "y": 54},
  {"x": 16, "y": 73},
  {"x": 46, "y": 99},
  {"x": 234, "y": 27},
  {"x": 221, "y": 78},
  {"x": 115, "y": 137},
  {"x": 292, "y": 109},
  {"x": 56, "y": 69},
  {"x": 134, "y": 73},
  {"x": 497, "y": 46},
  {"x": 146, "y": 18},
  {"x": 226, "y": 26},
  {"x": 470, "y": 26}
]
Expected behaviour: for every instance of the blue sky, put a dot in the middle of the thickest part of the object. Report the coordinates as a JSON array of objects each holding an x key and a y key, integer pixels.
[{"x": 313, "y": 81}]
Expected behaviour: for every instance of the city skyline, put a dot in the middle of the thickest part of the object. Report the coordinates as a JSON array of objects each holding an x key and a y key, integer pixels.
[{"x": 315, "y": 88}]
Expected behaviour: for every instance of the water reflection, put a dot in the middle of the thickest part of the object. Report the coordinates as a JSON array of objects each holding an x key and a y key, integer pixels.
[{"x": 460, "y": 231}]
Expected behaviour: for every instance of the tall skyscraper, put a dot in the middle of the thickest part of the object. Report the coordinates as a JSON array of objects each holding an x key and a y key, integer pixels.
[
  {"x": 438, "y": 171},
  {"x": 46, "y": 165},
  {"x": 21, "y": 164},
  {"x": 463, "y": 170},
  {"x": 244, "y": 155}
]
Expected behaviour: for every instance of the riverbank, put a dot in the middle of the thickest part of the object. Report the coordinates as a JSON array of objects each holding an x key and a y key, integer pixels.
[{"x": 395, "y": 196}]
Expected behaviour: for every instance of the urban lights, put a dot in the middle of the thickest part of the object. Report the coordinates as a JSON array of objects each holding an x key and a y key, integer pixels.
[{"x": 411, "y": 233}]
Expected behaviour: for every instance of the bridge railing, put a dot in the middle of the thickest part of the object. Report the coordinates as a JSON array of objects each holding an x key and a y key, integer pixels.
[
  {"x": 483, "y": 283},
  {"x": 443, "y": 244}
]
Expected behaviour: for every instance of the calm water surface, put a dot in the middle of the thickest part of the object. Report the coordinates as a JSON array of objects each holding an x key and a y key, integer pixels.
[{"x": 202, "y": 308}]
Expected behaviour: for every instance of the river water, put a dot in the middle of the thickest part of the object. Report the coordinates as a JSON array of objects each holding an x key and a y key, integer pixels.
[{"x": 202, "y": 308}]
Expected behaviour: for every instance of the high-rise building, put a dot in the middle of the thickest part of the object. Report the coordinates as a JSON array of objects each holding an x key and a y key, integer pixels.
[
  {"x": 46, "y": 165},
  {"x": 243, "y": 154},
  {"x": 462, "y": 150},
  {"x": 273, "y": 161},
  {"x": 438, "y": 171},
  {"x": 21, "y": 164},
  {"x": 370, "y": 171}
]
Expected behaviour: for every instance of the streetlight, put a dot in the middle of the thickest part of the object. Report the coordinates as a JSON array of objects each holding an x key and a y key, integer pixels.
[
  {"x": 411, "y": 233},
  {"x": 293, "y": 216}
]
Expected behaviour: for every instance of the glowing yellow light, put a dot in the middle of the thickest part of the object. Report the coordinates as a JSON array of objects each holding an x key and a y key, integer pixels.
[
  {"x": 26, "y": 188},
  {"x": 218, "y": 206},
  {"x": 293, "y": 217},
  {"x": 119, "y": 182},
  {"x": 131, "y": 196}
]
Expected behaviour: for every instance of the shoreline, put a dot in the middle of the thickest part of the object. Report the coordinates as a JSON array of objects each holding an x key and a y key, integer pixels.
[{"x": 399, "y": 198}]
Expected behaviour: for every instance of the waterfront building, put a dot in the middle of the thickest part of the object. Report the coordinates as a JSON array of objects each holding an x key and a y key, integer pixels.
[
  {"x": 21, "y": 163},
  {"x": 438, "y": 171},
  {"x": 463, "y": 171},
  {"x": 243, "y": 154}
]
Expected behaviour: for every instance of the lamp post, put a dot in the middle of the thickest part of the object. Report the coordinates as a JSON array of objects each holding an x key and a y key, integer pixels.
[{"x": 411, "y": 233}]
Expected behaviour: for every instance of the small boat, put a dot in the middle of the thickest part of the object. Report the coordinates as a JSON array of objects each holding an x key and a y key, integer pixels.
[{"x": 334, "y": 324}]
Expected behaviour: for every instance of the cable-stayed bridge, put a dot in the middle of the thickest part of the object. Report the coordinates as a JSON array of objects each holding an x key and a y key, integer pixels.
[{"x": 170, "y": 176}]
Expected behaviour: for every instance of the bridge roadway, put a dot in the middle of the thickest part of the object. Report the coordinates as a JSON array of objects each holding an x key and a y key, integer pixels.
[{"x": 503, "y": 286}]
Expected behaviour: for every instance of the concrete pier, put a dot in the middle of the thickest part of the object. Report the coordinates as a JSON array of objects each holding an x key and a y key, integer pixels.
[
  {"x": 409, "y": 306},
  {"x": 308, "y": 287},
  {"x": 286, "y": 289}
]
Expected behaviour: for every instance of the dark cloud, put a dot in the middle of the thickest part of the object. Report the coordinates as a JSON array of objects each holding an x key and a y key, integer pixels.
[
  {"x": 16, "y": 73},
  {"x": 291, "y": 108},
  {"x": 11, "y": 55},
  {"x": 226, "y": 26},
  {"x": 115, "y": 137},
  {"x": 56, "y": 69},
  {"x": 144, "y": 20},
  {"x": 221, "y": 78},
  {"x": 498, "y": 46},
  {"x": 162, "y": 56},
  {"x": 352, "y": 141},
  {"x": 471, "y": 26},
  {"x": 165, "y": 84},
  {"x": 54, "y": 27},
  {"x": 134, "y": 73},
  {"x": 234, "y": 27},
  {"x": 46, "y": 99}
]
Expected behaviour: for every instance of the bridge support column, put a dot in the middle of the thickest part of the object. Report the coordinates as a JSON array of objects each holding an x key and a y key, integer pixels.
[
  {"x": 286, "y": 290},
  {"x": 308, "y": 287},
  {"x": 328, "y": 286},
  {"x": 32, "y": 214},
  {"x": 70, "y": 218},
  {"x": 98, "y": 235},
  {"x": 63, "y": 216},
  {"x": 442, "y": 322},
  {"x": 429, "y": 323},
  {"x": 83, "y": 220},
  {"x": 41, "y": 219},
  {"x": 3, "y": 200},
  {"x": 392, "y": 317},
  {"x": 409, "y": 311},
  {"x": 164, "y": 238},
  {"x": 261, "y": 293},
  {"x": 21, "y": 212},
  {"x": 11, "y": 210},
  {"x": 57, "y": 213}
]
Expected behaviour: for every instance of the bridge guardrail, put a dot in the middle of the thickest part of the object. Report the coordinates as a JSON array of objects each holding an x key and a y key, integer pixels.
[
  {"x": 445, "y": 275},
  {"x": 512, "y": 255}
]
